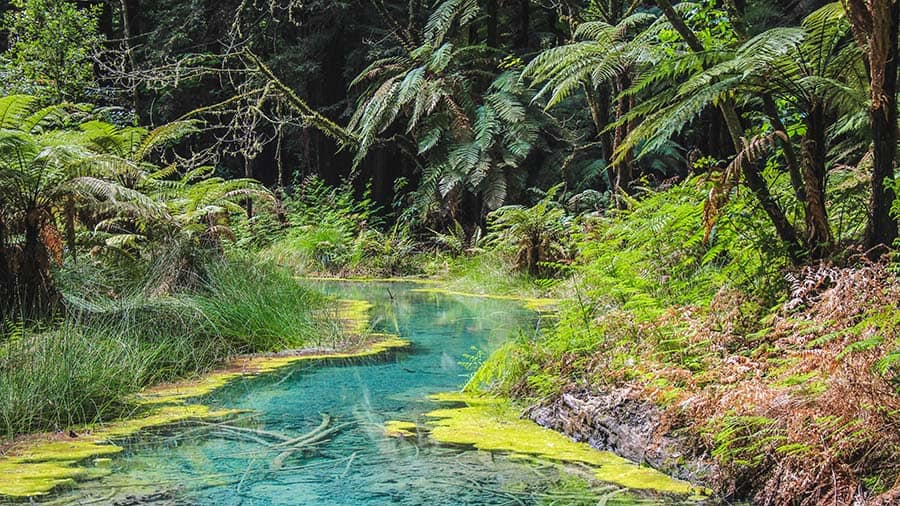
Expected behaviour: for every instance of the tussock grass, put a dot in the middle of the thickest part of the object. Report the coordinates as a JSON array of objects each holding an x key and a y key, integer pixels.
[
  {"x": 82, "y": 371},
  {"x": 259, "y": 307}
]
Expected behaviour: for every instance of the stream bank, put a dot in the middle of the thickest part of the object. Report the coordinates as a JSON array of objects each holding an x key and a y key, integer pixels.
[
  {"x": 362, "y": 464},
  {"x": 35, "y": 465}
]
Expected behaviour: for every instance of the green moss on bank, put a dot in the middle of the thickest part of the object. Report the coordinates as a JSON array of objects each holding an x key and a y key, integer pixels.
[
  {"x": 39, "y": 466},
  {"x": 540, "y": 305},
  {"x": 492, "y": 424}
]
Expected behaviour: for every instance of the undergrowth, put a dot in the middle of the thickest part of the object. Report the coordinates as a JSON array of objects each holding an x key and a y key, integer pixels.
[{"x": 788, "y": 380}]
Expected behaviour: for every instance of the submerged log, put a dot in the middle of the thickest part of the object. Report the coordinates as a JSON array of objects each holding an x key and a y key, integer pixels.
[{"x": 306, "y": 443}]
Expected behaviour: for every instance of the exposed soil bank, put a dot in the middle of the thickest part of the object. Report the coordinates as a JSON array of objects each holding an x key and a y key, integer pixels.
[{"x": 618, "y": 422}]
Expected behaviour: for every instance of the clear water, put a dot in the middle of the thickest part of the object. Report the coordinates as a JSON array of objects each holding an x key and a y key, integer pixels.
[{"x": 360, "y": 465}]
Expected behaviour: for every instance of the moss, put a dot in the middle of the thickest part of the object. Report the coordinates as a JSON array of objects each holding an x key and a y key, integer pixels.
[
  {"x": 492, "y": 424},
  {"x": 244, "y": 366},
  {"x": 39, "y": 466},
  {"x": 354, "y": 315},
  {"x": 397, "y": 428},
  {"x": 532, "y": 303}
]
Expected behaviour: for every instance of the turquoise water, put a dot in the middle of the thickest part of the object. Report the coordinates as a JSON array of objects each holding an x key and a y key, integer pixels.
[{"x": 359, "y": 465}]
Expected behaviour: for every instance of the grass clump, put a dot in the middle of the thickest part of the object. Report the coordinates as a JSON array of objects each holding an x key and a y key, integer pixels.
[
  {"x": 82, "y": 371},
  {"x": 258, "y": 306},
  {"x": 83, "y": 366}
]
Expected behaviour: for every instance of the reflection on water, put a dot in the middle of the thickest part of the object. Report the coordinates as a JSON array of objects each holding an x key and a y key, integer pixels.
[{"x": 341, "y": 407}]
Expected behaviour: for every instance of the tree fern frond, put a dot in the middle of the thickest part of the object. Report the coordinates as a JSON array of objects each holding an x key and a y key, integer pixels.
[
  {"x": 441, "y": 20},
  {"x": 14, "y": 110},
  {"x": 165, "y": 134}
]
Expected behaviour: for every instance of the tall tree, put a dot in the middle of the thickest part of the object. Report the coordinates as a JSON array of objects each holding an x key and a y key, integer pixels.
[{"x": 875, "y": 26}]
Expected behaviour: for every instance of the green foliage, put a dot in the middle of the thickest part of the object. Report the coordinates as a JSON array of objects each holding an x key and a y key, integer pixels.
[
  {"x": 474, "y": 139},
  {"x": 329, "y": 231},
  {"x": 656, "y": 252},
  {"x": 634, "y": 266},
  {"x": 121, "y": 333},
  {"x": 491, "y": 271},
  {"x": 601, "y": 53},
  {"x": 540, "y": 235},
  {"x": 62, "y": 170},
  {"x": 52, "y": 45}
]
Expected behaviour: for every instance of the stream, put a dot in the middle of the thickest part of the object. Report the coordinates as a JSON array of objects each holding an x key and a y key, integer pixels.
[{"x": 361, "y": 464}]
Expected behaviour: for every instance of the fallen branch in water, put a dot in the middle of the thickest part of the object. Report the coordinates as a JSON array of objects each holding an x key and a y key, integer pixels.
[
  {"x": 257, "y": 432},
  {"x": 326, "y": 420},
  {"x": 305, "y": 444}
]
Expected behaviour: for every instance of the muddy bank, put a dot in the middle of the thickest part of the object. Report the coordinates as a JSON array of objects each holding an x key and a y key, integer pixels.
[{"x": 619, "y": 422}]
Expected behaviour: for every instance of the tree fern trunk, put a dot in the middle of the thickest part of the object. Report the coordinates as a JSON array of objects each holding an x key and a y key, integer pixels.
[
  {"x": 881, "y": 228},
  {"x": 757, "y": 184},
  {"x": 623, "y": 170},
  {"x": 5, "y": 274},
  {"x": 790, "y": 155},
  {"x": 818, "y": 231},
  {"x": 70, "y": 227},
  {"x": 34, "y": 285}
]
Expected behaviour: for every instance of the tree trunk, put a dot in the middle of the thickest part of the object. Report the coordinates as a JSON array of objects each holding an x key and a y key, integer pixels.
[
  {"x": 881, "y": 228},
  {"x": 492, "y": 20},
  {"x": 818, "y": 232},
  {"x": 524, "y": 24},
  {"x": 757, "y": 184},
  {"x": 6, "y": 289},
  {"x": 623, "y": 169}
]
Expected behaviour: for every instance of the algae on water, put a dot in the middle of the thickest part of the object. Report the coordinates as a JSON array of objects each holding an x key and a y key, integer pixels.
[{"x": 492, "y": 424}]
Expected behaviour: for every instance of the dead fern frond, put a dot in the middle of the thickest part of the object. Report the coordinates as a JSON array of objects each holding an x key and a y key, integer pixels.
[{"x": 753, "y": 151}]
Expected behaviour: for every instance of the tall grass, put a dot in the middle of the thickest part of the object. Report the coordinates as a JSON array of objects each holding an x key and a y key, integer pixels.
[
  {"x": 487, "y": 272},
  {"x": 82, "y": 371},
  {"x": 259, "y": 307}
]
